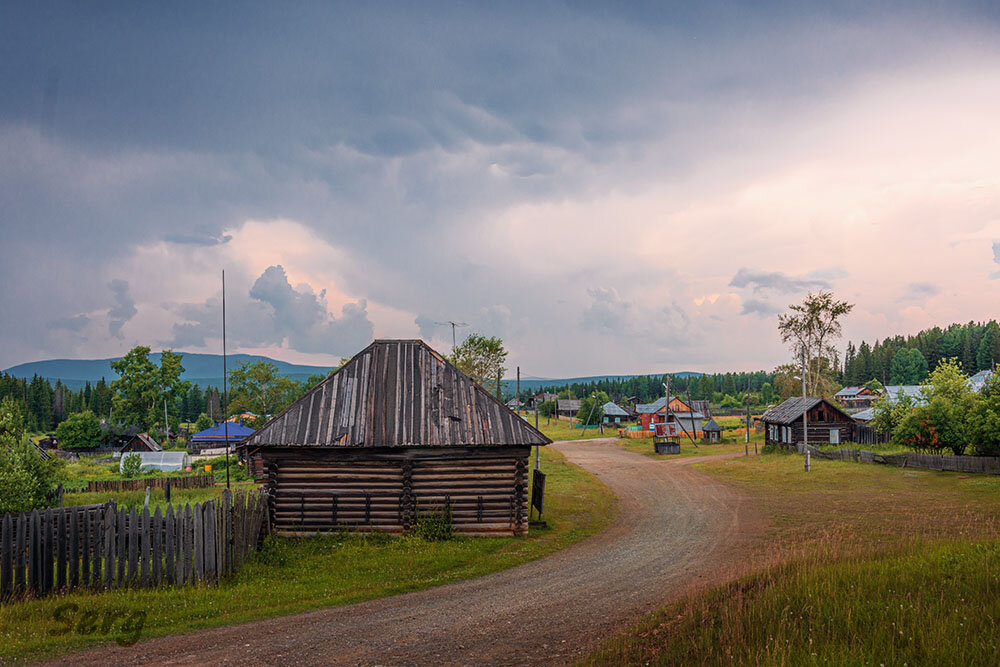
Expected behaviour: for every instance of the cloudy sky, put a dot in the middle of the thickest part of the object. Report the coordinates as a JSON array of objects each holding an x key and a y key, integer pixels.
[{"x": 610, "y": 190}]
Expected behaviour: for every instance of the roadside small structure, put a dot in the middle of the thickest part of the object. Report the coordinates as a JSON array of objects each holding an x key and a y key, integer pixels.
[
  {"x": 141, "y": 442},
  {"x": 219, "y": 435},
  {"x": 396, "y": 434},
  {"x": 827, "y": 422},
  {"x": 712, "y": 431}
]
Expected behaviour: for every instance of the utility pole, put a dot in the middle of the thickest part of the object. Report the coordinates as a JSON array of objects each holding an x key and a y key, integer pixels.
[
  {"x": 748, "y": 413},
  {"x": 225, "y": 377},
  {"x": 166, "y": 424},
  {"x": 518, "y": 397},
  {"x": 805, "y": 415}
]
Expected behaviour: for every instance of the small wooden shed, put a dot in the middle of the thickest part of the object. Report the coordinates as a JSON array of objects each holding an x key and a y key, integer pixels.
[
  {"x": 827, "y": 422},
  {"x": 397, "y": 432},
  {"x": 141, "y": 442},
  {"x": 712, "y": 431}
]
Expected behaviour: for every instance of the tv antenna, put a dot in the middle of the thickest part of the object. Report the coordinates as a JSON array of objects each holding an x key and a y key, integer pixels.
[{"x": 454, "y": 325}]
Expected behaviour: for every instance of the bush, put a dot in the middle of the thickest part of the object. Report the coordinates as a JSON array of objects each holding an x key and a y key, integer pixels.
[
  {"x": 79, "y": 431},
  {"x": 203, "y": 422},
  {"x": 132, "y": 465},
  {"x": 434, "y": 526},
  {"x": 26, "y": 478}
]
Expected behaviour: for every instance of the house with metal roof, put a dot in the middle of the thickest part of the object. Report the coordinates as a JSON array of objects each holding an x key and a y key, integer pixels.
[
  {"x": 395, "y": 434},
  {"x": 226, "y": 434},
  {"x": 827, "y": 422},
  {"x": 615, "y": 414},
  {"x": 663, "y": 411},
  {"x": 979, "y": 380},
  {"x": 856, "y": 397}
]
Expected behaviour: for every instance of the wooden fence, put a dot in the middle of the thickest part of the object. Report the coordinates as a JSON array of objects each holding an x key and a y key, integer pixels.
[
  {"x": 105, "y": 547},
  {"x": 186, "y": 482},
  {"x": 970, "y": 464}
]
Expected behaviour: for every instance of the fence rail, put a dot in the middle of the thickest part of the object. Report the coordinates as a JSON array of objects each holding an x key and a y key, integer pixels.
[
  {"x": 970, "y": 464},
  {"x": 115, "y": 485},
  {"x": 106, "y": 546}
]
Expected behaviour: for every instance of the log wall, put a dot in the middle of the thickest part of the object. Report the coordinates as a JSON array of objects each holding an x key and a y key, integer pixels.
[{"x": 322, "y": 490}]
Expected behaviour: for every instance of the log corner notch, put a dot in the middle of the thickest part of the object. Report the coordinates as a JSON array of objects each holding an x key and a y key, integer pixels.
[{"x": 395, "y": 434}]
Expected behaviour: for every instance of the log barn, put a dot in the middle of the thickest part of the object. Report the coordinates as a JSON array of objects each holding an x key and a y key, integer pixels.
[
  {"x": 827, "y": 422},
  {"x": 395, "y": 434}
]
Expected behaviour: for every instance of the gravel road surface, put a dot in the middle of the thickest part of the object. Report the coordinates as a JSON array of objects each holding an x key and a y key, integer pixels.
[{"x": 675, "y": 530}]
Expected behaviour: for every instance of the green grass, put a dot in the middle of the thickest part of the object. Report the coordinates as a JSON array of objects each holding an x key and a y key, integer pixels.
[
  {"x": 558, "y": 429},
  {"x": 157, "y": 497},
  {"x": 934, "y": 605},
  {"x": 729, "y": 445},
  {"x": 858, "y": 564},
  {"x": 295, "y": 575}
]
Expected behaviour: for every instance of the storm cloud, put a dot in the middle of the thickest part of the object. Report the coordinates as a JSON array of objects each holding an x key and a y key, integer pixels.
[{"x": 581, "y": 181}]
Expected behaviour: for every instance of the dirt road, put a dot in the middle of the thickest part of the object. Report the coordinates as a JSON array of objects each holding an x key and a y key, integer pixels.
[{"x": 675, "y": 526}]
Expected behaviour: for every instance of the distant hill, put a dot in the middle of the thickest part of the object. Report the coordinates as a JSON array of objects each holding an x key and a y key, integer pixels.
[
  {"x": 535, "y": 383},
  {"x": 201, "y": 369}
]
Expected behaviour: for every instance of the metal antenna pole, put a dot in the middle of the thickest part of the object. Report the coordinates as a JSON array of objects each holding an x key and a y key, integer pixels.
[{"x": 225, "y": 377}]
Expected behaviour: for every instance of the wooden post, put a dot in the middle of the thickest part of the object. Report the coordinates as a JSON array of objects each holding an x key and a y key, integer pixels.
[
  {"x": 198, "y": 546},
  {"x": 6, "y": 557},
  {"x": 20, "y": 544},
  {"x": 156, "y": 548},
  {"x": 133, "y": 547},
  {"x": 807, "y": 460},
  {"x": 122, "y": 556},
  {"x": 108, "y": 545},
  {"x": 61, "y": 549},
  {"x": 147, "y": 536},
  {"x": 169, "y": 547},
  {"x": 74, "y": 548}
]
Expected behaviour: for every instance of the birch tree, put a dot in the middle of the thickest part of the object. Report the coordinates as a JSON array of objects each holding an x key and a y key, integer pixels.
[{"x": 812, "y": 327}]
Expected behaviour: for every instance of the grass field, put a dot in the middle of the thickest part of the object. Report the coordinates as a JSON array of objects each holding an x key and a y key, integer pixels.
[
  {"x": 294, "y": 575},
  {"x": 860, "y": 564},
  {"x": 558, "y": 429},
  {"x": 730, "y": 445}
]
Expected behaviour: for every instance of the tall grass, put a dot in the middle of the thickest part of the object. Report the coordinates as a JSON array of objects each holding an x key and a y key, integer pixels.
[{"x": 859, "y": 564}]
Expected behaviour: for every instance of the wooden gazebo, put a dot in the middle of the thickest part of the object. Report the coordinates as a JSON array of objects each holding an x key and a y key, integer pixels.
[{"x": 396, "y": 433}]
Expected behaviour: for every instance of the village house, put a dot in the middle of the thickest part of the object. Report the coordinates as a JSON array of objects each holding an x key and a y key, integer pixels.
[
  {"x": 663, "y": 411},
  {"x": 141, "y": 442},
  {"x": 219, "y": 436},
  {"x": 615, "y": 414},
  {"x": 856, "y": 397},
  {"x": 567, "y": 407},
  {"x": 395, "y": 434},
  {"x": 827, "y": 422}
]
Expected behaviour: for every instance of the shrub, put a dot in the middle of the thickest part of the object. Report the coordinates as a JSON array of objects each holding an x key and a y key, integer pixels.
[
  {"x": 26, "y": 478},
  {"x": 79, "y": 431},
  {"x": 132, "y": 465},
  {"x": 434, "y": 526},
  {"x": 203, "y": 422}
]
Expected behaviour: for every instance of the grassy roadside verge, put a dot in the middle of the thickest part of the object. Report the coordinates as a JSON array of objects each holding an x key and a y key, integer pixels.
[
  {"x": 861, "y": 564},
  {"x": 644, "y": 446},
  {"x": 296, "y": 575}
]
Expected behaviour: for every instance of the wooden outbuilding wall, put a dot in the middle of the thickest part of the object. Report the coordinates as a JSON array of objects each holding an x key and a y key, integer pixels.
[{"x": 363, "y": 490}]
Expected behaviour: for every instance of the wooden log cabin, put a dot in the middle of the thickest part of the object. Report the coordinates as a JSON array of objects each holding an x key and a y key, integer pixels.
[
  {"x": 395, "y": 434},
  {"x": 827, "y": 423}
]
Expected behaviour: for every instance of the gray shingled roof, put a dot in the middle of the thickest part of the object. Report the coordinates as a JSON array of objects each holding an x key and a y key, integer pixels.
[{"x": 791, "y": 410}]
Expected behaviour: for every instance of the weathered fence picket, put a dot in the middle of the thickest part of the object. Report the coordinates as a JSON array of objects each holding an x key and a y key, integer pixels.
[{"x": 104, "y": 546}]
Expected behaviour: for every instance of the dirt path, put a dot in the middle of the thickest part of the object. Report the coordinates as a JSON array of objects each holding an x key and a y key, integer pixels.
[{"x": 675, "y": 528}]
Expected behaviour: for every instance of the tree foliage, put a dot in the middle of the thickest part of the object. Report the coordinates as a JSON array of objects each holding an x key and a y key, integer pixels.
[
  {"x": 142, "y": 386},
  {"x": 812, "y": 327},
  {"x": 79, "y": 431},
  {"x": 258, "y": 387},
  {"x": 908, "y": 367},
  {"x": 481, "y": 358},
  {"x": 203, "y": 422}
]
